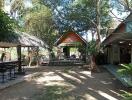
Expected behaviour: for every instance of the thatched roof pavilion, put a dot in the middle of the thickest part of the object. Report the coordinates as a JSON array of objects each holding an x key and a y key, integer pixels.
[{"x": 19, "y": 40}]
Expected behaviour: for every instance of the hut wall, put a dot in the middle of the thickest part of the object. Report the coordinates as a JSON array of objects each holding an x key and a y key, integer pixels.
[
  {"x": 116, "y": 54},
  {"x": 113, "y": 54},
  {"x": 110, "y": 55}
]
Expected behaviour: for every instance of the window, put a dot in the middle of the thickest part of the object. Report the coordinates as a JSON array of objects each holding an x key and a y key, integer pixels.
[{"x": 129, "y": 27}]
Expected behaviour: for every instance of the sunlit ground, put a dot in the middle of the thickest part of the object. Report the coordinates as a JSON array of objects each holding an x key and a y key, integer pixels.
[{"x": 61, "y": 83}]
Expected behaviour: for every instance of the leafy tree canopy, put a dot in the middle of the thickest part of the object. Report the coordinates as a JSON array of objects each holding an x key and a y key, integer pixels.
[
  {"x": 78, "y": 15},
  {"x": 6, "y": 26},
  {"x": 38, "y": 21}
]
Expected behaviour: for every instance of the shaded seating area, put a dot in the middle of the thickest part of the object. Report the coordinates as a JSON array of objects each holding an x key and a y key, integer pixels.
[{"x": 10, "y": 68}]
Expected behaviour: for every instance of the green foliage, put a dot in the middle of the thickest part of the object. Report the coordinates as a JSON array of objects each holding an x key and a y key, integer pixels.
[
  {"x": 127, "y": 95},
  {"x": 79, "y": 15},
  {"x": 40, "y": 24},
  {"x": 125, "y": 70},
  {"x": 85, "y": 12},
  {"x": 38, "y": 21},
  {"x": 91, "y": 47},
  {"x": 6, "y": 25}
]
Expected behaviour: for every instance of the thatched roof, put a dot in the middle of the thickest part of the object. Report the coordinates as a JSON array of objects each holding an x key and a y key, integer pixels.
[
  {"x": 22, "y": 39},
  {"x": 29, "y": 40}
]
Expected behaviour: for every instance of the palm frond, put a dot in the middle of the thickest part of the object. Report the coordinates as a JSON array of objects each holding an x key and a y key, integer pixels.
[{"x": 125, "y": 70}]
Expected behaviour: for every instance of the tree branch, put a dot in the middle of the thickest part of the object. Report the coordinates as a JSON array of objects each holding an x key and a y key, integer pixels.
[{"x": 116, "y": 16}]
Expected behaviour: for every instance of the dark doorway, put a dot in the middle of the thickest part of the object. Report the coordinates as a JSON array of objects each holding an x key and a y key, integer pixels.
[
  {"x": 125, "y": 54},
  {"x": 66, "y": 52}
]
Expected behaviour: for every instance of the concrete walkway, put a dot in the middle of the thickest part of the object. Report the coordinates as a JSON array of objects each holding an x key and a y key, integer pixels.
[{"x": 81, "y": 83}]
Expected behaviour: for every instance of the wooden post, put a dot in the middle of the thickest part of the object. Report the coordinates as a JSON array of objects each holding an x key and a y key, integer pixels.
[
  {"x": 28, "y": 50},
  {"x": 37, "y": 55},
  {"x": 19, "y": 59},
  {"x": 131, "y": 54}
]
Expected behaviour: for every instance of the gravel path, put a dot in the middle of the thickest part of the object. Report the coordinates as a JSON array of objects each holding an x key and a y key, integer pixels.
[{"x": 83, "y": 85}]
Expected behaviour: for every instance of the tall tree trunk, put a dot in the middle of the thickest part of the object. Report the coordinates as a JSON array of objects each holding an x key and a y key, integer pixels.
[
  {"x": 1, "y": 4},
  {"x": 92, "y": 35},
  {"x": 51, "y": 54},
  {"x": 98, "y": 40},
  {"x": 98, "y": 27}
]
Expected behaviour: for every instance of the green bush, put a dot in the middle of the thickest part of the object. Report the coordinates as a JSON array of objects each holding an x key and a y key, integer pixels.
[
  {"x": 126, "y": 69},
  {"x": 7, "y": 26},
  {"x": 127, "y": 95}
]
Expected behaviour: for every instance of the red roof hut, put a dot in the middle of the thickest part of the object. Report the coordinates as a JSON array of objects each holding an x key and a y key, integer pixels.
[{"x": 70, "y": 40}]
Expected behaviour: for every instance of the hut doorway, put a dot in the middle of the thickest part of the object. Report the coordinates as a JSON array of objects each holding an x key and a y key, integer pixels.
[
  {"x": 125, "y": 55},
  {"x": 71, "y": 52}
]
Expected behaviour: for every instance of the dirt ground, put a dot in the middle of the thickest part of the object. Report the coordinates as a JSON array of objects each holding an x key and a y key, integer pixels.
[{"x": 80, "y": 84}]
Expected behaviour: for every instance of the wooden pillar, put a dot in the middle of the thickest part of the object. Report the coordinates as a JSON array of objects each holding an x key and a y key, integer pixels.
[
  {"x": 37, "y": 55},
  {"x": 28, "y": 49},
  {"x": 19, "y": 59},
  {"x": 131, "y": 54}
]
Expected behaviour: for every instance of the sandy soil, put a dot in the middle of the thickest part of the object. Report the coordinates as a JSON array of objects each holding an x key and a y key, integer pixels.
[{"x": 82, "y": 83}]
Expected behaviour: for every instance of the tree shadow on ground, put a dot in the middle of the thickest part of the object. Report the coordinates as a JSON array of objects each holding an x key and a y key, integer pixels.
[
  {"x": 98, "y": 85},
  {"x": 88, "y": 86},
  {"x": 79, "y": 85},
  {"x": 57, "y": 93}
]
